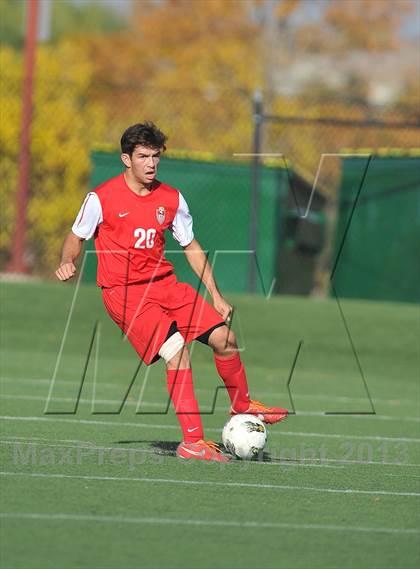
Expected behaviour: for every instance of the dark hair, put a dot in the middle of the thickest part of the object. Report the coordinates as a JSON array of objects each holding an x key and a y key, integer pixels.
[{"x": 143, "y": 134}]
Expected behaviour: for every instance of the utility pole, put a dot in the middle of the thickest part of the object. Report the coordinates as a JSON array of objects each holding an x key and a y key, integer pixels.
[
  {"x": 17, "y": 262},
  {"x": 44, "y": 24},
  {"x": 255, "y": 189}
]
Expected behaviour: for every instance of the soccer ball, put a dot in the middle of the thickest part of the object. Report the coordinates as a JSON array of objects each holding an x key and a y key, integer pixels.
[{"x": 244, "y": 436}]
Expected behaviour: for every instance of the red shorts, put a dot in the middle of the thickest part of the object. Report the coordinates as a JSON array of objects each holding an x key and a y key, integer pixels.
[{"x": 145, "y": 312}]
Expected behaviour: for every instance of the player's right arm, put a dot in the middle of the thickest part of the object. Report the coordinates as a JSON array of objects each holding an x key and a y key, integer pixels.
[
  {"x": 87, "y": 220},
  {"x": 71, "y": 250}
]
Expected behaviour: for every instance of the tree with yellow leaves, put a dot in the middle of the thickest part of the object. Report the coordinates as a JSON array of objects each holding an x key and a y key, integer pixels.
[
  {"x": 64, "y": 126},
  {"x": 189, "y": 66}
]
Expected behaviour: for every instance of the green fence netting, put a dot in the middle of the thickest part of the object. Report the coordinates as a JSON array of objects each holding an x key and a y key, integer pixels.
[{"x": 380, "y": 252}]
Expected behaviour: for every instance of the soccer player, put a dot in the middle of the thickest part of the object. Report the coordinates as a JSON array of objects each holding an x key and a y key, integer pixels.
[{"x": 128, "y": 216}]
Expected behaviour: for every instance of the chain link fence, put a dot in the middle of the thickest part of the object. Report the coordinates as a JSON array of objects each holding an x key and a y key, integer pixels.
[
  {"x": 312, "y": 143},
  {"x": 74, "y": 117}
]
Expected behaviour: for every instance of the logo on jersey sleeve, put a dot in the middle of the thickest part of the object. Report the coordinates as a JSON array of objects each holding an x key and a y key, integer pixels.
[{"x": 160, "y": 214}]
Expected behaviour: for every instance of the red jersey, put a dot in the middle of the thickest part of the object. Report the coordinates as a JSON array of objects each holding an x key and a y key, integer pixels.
[{"x": 129, "y": 230}]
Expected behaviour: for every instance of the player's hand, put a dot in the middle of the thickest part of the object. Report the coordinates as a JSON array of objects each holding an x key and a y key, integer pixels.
[
  {"x": 65, "y": 271},
  {"x": 223, "y": 308}
]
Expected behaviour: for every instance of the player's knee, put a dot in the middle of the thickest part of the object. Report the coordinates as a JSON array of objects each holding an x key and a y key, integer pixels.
[
  {"x": 231, "y": 341},
  {"x": 175, "y": 352},
  {"x": 223, "y": 341}
]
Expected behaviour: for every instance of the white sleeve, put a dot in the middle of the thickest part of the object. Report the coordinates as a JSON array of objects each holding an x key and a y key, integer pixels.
[
  {"x": 182, "y": 224},
  {"x": 89, "y": 217}
]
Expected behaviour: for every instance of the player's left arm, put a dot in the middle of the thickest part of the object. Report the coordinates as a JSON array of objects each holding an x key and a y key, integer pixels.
[{"x": 201, "y": 266}]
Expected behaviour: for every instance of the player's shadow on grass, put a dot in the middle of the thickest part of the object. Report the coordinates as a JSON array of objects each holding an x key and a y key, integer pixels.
[
  {"x": 161, "y": 447},
  {"x": 168, "y": 448}
]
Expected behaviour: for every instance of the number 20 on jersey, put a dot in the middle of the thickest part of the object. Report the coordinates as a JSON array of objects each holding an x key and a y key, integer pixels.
[{"x": 146, "y": 238}]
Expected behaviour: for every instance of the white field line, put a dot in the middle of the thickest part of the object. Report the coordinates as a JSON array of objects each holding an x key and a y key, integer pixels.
[
  {"x": 162, "y": 406},
  {"x": 417, "y": 476},
  {"x": 82, "y": 445},
  {"x": 25, "y": 439},
  {"x": 73, "y": 400},
  {"x": 212, "y": 483},
  {"x": 210, "y": 523},
  {"x": 280, "y": 462},
  {"x": 376, "y": 417},
  {"x": 110, "y": 385},
  {"x": 93, "y": 447},
  {"x": 282, "y": 433}
]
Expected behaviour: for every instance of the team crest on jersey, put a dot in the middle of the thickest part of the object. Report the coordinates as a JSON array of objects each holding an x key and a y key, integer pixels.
[{"x": 160, "y": 214}]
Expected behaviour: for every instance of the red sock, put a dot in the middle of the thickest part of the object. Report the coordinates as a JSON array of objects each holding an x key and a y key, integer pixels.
[
  {"x": 232, "y": 372},
  {"x": 181, "y": 390}
]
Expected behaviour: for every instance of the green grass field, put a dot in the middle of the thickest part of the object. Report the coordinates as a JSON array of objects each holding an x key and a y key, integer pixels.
[{"x": 98, "y": 489}]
